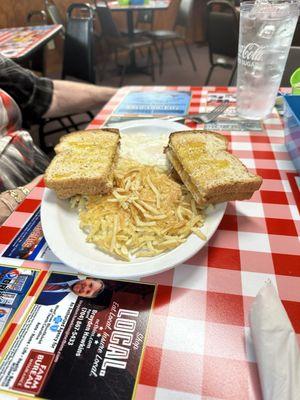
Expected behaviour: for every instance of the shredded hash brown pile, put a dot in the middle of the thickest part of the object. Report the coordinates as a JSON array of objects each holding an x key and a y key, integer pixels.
[{"x": 146, "y": 214}]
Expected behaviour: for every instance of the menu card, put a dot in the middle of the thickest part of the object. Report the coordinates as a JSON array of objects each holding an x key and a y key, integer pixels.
[
  {"x": 29, "y": 243},
  {"x": 155, "y": 103},
  {"x": 151, "y": 104},
  {"x": 68, "y": 336}
]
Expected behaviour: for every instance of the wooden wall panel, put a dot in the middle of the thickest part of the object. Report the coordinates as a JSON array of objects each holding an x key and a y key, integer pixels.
[
  {"x": 22, "y": 9},
  {"x": 14, "y": 12},
  {"x": 7, "y": 13}
]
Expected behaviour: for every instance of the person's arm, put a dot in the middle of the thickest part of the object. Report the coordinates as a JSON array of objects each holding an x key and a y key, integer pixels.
[
  {"x": 74, "y": 97},
  {"x": 32, "y": 93},
  {"x": 42, "y": 97},
  {"x": 10, "y": 199}
]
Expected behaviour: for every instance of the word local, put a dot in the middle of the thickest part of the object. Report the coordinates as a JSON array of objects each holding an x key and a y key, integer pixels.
[{"x": 120, "y": 341}]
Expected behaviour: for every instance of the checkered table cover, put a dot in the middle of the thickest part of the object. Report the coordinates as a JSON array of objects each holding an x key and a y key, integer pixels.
[
  {"x": 199, "y": 344},
  {"x": 19, "y": 42}
]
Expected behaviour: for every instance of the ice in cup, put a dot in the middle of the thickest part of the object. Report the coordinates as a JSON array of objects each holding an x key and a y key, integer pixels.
[{"x": 266, "y": 33}]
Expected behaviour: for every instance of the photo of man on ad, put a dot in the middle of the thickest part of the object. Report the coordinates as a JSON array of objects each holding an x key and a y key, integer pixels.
[{"x": 59, "y": 286}]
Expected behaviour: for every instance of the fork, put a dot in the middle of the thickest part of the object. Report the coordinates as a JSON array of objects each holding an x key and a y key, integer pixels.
[{"x": 203, "y": 117}]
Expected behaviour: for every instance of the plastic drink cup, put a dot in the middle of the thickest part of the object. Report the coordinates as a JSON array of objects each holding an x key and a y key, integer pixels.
[
  {"x": 266, "y": 33},
  {"x": 123, "y": 2},
  {"x": 295, "y": 81}
]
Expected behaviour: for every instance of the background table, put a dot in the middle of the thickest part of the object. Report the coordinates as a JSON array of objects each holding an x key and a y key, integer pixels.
[
  {"x": 19, "y": 43},
  {"x": 151, "y": 6},
  {"x": 199, "y": 345}
]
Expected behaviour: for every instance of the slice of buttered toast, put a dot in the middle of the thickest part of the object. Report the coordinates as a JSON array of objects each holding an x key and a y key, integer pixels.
[
  {"x": 208, "y": 170},
  {"x": 84, "y": 163}
]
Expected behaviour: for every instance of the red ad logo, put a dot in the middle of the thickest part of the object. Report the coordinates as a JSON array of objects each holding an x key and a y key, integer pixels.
[{"x": 34, "y": 372}]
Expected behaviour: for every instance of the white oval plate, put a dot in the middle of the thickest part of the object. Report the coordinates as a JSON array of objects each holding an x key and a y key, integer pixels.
[{"x": 68, "y": 242}]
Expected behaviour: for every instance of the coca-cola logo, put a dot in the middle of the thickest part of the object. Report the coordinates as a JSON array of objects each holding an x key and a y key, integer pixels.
[{"x": 250, "y": 54}]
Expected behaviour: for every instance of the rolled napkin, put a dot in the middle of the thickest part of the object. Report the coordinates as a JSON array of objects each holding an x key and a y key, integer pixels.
[{"x": 276, "y": 348}]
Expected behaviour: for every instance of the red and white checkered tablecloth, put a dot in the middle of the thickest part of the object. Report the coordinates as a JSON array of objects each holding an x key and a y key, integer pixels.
[
  {"x": 19, "y": 42},
  {"x": 199, "y": 344}
]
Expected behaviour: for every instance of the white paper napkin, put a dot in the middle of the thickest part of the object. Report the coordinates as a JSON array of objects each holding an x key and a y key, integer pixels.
[{"x": 276, "y": 348}]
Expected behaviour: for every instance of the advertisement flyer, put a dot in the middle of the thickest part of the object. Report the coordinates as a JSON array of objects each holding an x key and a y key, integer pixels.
[
  {"x": 30, "y": 243},
  {"x": 154, "y": 103},
  {"x": 14, "y": 286},
  {"x": 83, "y": 338}
]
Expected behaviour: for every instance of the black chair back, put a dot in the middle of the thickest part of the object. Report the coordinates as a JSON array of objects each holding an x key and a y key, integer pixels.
[
  {"x": 40, "y": 20},
  {"x": 54, "y": 14},
  {"x": 145, "y": 17},
  {"x": 183, "y": 17},
  {"x": 109, "y": 29},
  {"x": 222, "y": 28},
  {"x": 37, "y": 61},
  {"x": 79, "y": 47}
]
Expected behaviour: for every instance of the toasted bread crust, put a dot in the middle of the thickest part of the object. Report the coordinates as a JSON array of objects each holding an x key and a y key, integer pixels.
[
  {"x": 214, "y": 190},
  {"x": 66, "y": 193},
  {"x": 67, "y": 138},
  {"x": 229, "y": 197},
  {"x": 195, "y": 132},
  {"x": 88, "y": 182},
  {"x": 185, "y": 178}
]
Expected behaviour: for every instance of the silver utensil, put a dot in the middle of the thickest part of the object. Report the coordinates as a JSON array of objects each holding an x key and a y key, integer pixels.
[{"x": 203, "y": 117}]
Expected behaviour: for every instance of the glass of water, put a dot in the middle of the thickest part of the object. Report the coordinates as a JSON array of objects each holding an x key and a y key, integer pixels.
[{"x": 266, "y": 32}]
